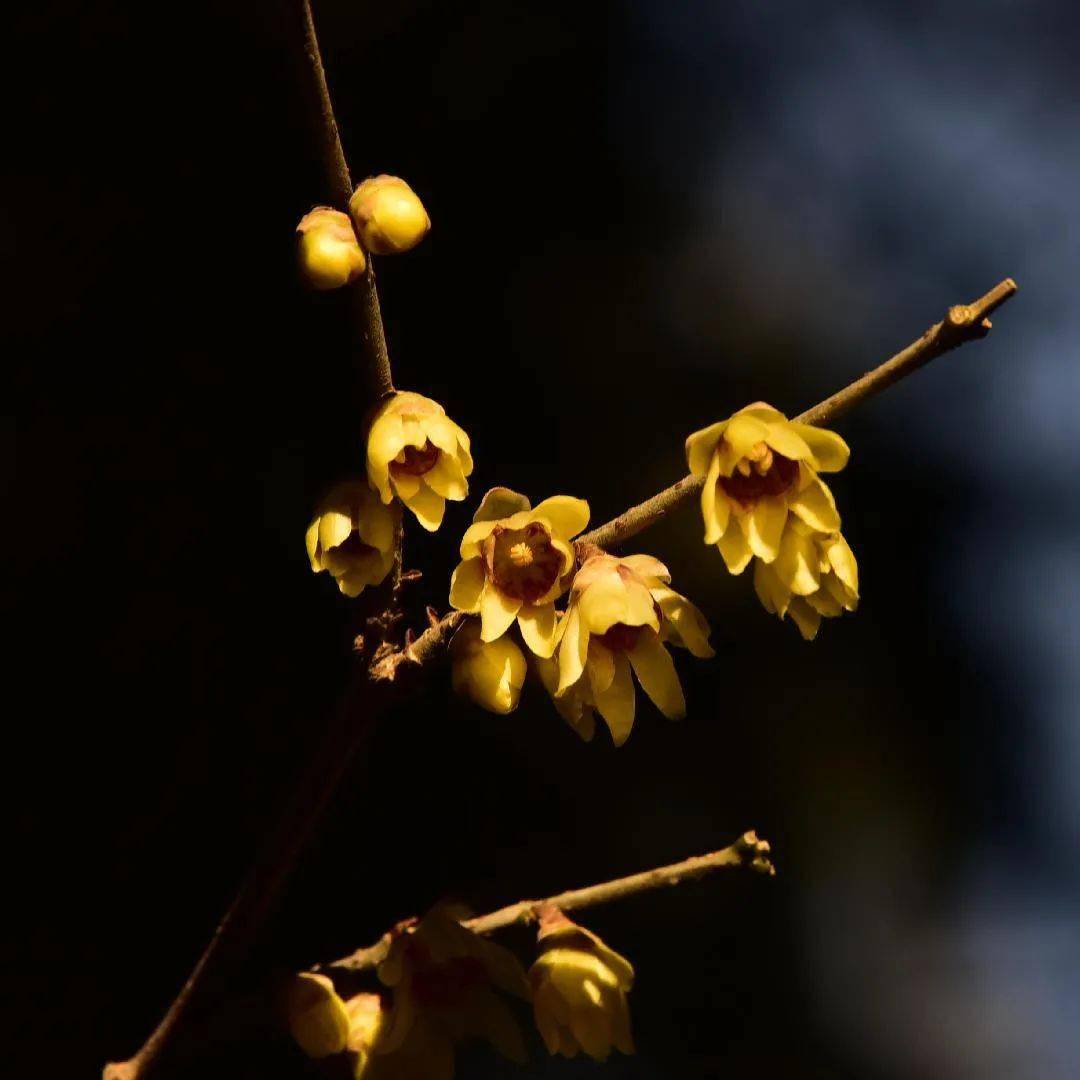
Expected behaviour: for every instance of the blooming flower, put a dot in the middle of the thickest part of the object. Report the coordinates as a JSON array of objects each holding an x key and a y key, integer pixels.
[
  {"x": 814, "y": 575},
  {"x": 758, "y": 466},
  {"x": 353, "y": 537},
  {"x": 415, "y": 451},
  {"x": 489, "y": 673},
  {"x": 444, "y": 979},
  {"x": 328, "y": 251},
  {"x": 621, "y": 614},
  {"x": 388, "y": 214},
  {"x": 515, "y": 560},
  {"x": 579, "y": 990}
]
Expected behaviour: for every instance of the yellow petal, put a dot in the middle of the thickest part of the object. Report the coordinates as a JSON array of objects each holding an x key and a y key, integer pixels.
[
  {"x": 770, "y": 590},
  {"x": 715, "y": 508},
  {"x": 734, "y": 547},
  {"x": 376, "y": 523},
  {"x": 620, "y": 1026},
  {"x": 797, "y": 564},
  {"x": 499, "y": 502},
  {"x": 427, "y": 506},
  {"x": 466, "y": 584},
  {"x": 385, "y": 441},
  {"x": 842, "y": 560},
  {"x": 645, "y": 566},
  {"x": 816, "y": 506},
  {"x": 318, "y": 1018},
  {"x": 311, "y": 542},
  {"x": 445, "y": 478},
  {"x": 442, "y": 431},
  {"x": 805, "y": 618},
  {"x": 405, "y": 485},
  {"x": 600, "y": 667},
  {"x": 784, "y": 439},
  {"x": 689, "y": 624},
  {"x": 573, "y": 651},
  {"x": 537, "y": 623},
  {"x": 610, "y": 599},
  {"x": 766, "y": 526},
  {"x": 830, "y": 452},
  {"x": 474, "y": 536},
  {"x": 824, "y": 603},
  {"x": 497, "y": 612},
  {"x": 740, "y": 436},
  {"x": 655, "y": 671},
  {"x": 568, "y": 516},
  {"x": 700, "y": 447},
  {"x": 334, "y": 528},
  {"x": 616, "y": 703}
]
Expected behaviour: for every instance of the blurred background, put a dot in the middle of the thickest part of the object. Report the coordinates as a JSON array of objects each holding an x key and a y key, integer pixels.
[{"x": 645, "y": 215}]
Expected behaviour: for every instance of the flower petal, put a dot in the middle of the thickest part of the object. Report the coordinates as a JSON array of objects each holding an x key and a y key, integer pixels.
[
  {"x": 805, "y": 618},
  {"x": 385, "y": 441},
  {"x": 691, "y": 630},
  {"x": 375, "y": 524},
  {"x": 573, "y": 651},
  {"x": 816, "y": 506},
  {"x": 766, "y": 526},
  {"x": 616, "y": 704},
  {"x": 600, "y": 667},
  {"x": 700, "y": 447},
  {"x": 568, "y": 516},
  {"x": 797, "y": 564},
  {"x": 784, "y": 439},
  {"x": 466, "y": 585},
  {"x": 427, "y": 506},
  {"x": 740, "y": 436},
  {"x": 715, "y": 509},
  {"x": 830, "y": 452},
  {"x": 842, "y": 560},
  {"x": 311, "y": 542},
  {"x": 655, "y": 671},
  {"x": 474, "y": 536},
  {"x": 770, "y": 590},
  {"x": 445, "y": 478},
  {"x": 334, "y": 528},
  {"x": 646, "y": 566},
  {"x": 537, "y": 624},
  {"x": 497, "y": 612},
  {"x": 500, "y": 502},
  {"x": 611, "y": 599},
  {"x": 734, "y": 547}
]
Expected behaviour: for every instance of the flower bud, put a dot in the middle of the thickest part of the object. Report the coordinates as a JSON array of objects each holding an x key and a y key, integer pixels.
[
  {"x": 389, "y": 216},
  {"x": 330, "y": 255},
  {"x": 489, "y": 673},
  {"x": 318, "y": 1019}
]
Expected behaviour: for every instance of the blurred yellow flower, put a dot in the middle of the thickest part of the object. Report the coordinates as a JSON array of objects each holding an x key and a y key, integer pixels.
[
  {"x": 444, "y": 980},
  {"x": 814, "y": 575},
  {"x": 621, "y": 614},
  {"x": 353, "y": 537},
  {"x": 318, "y": 1018},
  {"x": 489, "y": 673},
  {"x": 388, "y": 214},
  {"x": 328, "y": 251},
  {"x": 515, "y": 561},
  {"x": 758, "y": 466},
  {"x": 579, "y": 990},
  {"x": 415, "y": 451}
]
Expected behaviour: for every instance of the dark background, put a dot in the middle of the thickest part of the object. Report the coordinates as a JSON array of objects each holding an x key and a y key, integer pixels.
[{"x": 645, "y": 215}]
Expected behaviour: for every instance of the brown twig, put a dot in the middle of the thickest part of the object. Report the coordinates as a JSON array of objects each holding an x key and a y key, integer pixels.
[
  {"x": 747, "y": 851},
  {"x": 963, "y": 323}
]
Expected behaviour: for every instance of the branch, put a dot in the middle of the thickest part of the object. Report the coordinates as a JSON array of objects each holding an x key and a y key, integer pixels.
[
  {"x": 747, "y": 851},
  {"x": 963, "y": 323}
]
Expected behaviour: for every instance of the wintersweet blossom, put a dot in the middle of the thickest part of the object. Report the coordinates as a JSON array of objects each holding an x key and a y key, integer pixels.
[
  {"x": 621, "y": 614},
  {"x": 579, "y": 990},
  {"x": 489, "y": 673},
  {"x": 758, "y": 468},
  {"x": 327, "y": 249},
  {"x": 515, "y": 564},
  {"x": 389, "y": 215},
  {"x": 353, "y": 537},
  {"x": 444, "y": 980},
  {"x": 814, "y": 575},
  {"x": 415, "y": 451},
  {"x": 317, "y": 1016}
]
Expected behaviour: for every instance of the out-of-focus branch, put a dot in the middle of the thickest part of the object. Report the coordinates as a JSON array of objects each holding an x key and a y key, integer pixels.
[
  {"x": 962, "y": 323},
  {"x": 747, "y": 851}
]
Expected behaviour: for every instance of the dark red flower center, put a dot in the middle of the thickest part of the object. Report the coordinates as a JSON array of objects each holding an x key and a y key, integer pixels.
[
  {"x": 765, "y": 473},
  {"x": 415, "y": 460},
  {"x": 523, "y": 563},
  {"x": 620, "y": 637}
]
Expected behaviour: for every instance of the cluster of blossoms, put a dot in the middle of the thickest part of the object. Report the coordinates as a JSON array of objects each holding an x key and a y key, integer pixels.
[
  {"x": 517, "y": 562},
  {"x": 443, "y": 986},
  {"x": 763, "y": 498}
]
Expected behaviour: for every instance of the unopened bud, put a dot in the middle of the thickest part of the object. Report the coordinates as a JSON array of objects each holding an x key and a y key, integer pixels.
[
  {"x": 389, "y": 216},
  {"x": 330, "y": 255}
]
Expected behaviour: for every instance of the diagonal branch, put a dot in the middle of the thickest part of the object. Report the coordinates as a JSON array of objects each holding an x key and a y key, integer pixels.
[
  {"x": 747, "y": 851},
  {"x": 962, "y": 323}
]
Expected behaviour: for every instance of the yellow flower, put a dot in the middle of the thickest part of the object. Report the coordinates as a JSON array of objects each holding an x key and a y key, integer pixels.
[
  {"x": 444, "y": 979},
  {"x": 579, "y": 990},
  {"x": 489, "y": 673},
  {"x": 515, "y": 560},
  {"x": 353, "y": 537},
  {"x": 417, "y": 452},
  {"x": 318, "y": 1018},
  {"x": 367, "y": 1022},
  {"x": 329, "y": 253},
  {"x": 814, "y": 575},
  {"x": 575, "y": 705},
  {"x": 621, "y": 614},
  {"x": 758, "y": 466},
  {"x": 388, "y": 214}
]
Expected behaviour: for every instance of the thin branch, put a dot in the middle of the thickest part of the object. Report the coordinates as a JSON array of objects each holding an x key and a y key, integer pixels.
[
  {"x": 963, "y": 323},
  {"x": 747, "y": 851}
]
